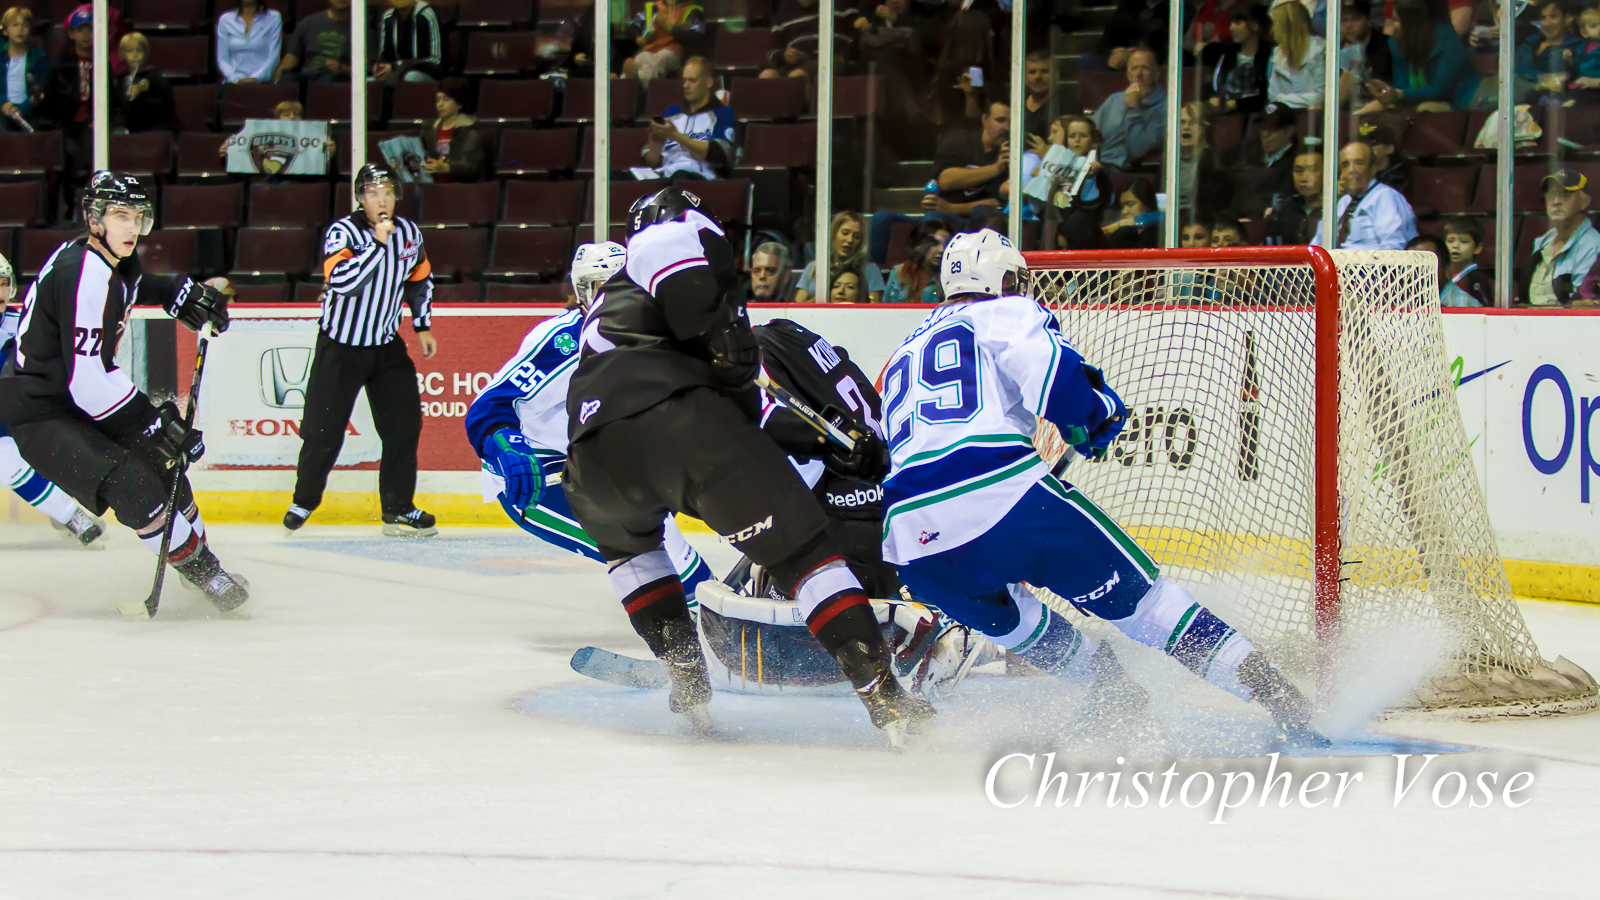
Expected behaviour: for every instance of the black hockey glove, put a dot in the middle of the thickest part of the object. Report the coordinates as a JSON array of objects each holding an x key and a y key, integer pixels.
[
  {"x": 735, "y": 355},
  {"x": 200, "y": 303},
  {"x": 172, "y": 436},
  {"x": 869, "y": 461}
]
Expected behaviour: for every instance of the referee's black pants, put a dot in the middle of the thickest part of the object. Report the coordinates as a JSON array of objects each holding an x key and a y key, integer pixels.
[{"x": 338, "y": 373}]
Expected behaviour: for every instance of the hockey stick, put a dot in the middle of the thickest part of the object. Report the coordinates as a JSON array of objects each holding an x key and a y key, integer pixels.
[
  {"x": 811, "y": 416},
  {"x": 181, "y": 465}
]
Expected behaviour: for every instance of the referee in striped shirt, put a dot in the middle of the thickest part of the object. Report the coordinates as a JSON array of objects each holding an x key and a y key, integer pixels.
[{"x": 372, "y": 260}]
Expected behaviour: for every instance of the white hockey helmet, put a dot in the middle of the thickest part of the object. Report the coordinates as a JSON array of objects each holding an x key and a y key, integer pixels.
[
  {"x": 593, "y": 265},
  {"x": 9, "y": 289},
  {"x": 982, "y": 262}
]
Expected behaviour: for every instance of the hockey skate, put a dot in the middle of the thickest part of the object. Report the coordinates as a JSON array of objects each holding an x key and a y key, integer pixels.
[
  {"x": 86, "y": 528},
  {"x": 900, "y": 715},
  {"x": 226, "y": 592},
  {"x": 686, "y": 666},
  {"x": 295, "y": 517},
  {"x": 413, "y": 523},
  {"x": 1113, "y": 693},
  {"x": 1287, "y": 705}
]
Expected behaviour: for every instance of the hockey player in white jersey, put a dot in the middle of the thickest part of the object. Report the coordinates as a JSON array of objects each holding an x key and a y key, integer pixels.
[
  {"x": 973, "y": 512},
  {"x": 518, "y": 427},
  {"x": 15, "y": 472}
]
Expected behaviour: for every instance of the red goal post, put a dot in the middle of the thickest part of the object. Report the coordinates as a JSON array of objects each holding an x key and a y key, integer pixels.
[{"x": 1296, "y": 456}]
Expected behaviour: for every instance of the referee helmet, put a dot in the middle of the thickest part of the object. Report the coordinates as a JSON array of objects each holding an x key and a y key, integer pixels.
[{"x": 375, "y": 174}]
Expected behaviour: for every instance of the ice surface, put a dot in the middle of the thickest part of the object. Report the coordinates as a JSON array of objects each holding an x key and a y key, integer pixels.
[{"x": 399, "y": 721}]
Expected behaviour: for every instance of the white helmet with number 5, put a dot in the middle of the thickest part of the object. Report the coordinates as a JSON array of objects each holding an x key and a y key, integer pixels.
[
  {"x": 593, "y": 265},
  {"x": 983, "y": 262}
]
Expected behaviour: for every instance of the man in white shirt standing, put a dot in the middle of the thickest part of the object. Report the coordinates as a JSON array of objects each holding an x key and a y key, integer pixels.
[{"x": 1372, "y": 215}]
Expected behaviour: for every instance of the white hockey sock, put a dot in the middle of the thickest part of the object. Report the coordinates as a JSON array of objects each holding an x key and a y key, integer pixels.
[
  {"x": 1169, "y": 619},
  {"x": 630, "y": 575},
  {"x": 33, "y": 487},
  {"x": 193, "y": 515},
  {"x": 181, "y": 530},
  {"x": 824, "y": 582},
  {"x": 1044, "y": 637}
]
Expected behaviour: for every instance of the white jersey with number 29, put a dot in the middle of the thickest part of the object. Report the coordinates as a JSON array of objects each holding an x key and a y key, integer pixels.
[{"x": 962, "y": 399}]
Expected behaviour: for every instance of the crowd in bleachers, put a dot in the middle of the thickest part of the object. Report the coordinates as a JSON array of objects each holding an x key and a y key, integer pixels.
[{"x": 722, "y": 93}]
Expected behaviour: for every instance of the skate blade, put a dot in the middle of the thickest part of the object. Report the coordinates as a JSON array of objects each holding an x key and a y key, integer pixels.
[
  {"x": 133, "y": 610},
  {"x": 699, "y": 718},
  {"x": 404, "y": 532},
  {"x": 242, "y": 611}
]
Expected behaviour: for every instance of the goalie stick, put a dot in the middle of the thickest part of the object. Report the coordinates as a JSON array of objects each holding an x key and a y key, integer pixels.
[
  {"x": 626, "y": 671},
  {"x": 180, "y": 466}
]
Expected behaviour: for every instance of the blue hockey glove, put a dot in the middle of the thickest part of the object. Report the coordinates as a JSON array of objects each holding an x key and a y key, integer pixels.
[
  {"x": 1096, "y": 442},
  {"x": 510, "y": 457}
]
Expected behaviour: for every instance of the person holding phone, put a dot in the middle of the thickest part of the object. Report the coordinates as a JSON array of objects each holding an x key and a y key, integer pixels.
[{"x": 693, "y": 140}]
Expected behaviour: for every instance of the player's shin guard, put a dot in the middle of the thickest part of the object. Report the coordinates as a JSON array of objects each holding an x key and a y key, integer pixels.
[
  {"x": 838, "y": 613},
  {"x": 653, "y": 597}
]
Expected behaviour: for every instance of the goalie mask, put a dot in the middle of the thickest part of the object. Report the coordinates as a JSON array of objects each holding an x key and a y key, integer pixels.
[
  {"x": 984, "y": 263},
  {"x": 592, "y": 266},
  {"x": 119, "y": 191}
]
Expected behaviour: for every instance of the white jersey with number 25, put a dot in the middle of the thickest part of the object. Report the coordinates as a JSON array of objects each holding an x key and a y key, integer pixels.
[{"x": 962, "y": 399}]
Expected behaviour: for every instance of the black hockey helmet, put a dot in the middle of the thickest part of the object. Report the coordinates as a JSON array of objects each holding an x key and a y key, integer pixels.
[
  {"x": 377, "y": 173},
  {"x": 108, "y": 189},
  {"x": 665, "y": 205}
]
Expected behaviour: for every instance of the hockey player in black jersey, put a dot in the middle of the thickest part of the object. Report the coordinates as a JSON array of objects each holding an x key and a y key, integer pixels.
[
  {"x": 663, "y": 418},
  {"x": 77, "y": 418}
]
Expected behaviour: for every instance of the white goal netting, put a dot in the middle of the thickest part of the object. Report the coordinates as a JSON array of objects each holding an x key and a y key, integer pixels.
[{"x": 1216, "y": 358}]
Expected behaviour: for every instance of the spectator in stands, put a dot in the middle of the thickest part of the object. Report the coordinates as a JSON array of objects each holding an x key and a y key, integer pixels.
[
  {"x": 897, "y": 42},
  {"x": 1204, "y": 186},
  {"x": 1459, "y": 13},
  {"x": 288, "y": 111},
  {"x": 27, "y": 70},
  {"x": 1036, "y": 85},
  {"x": 916, "y": 280},
  {"x": 1141, "y": 221},
  {"x": 1586, "y": 66},
  {"x": 1227, "y": 231},
  {"x": 849, "y": 253},
  {"x": 575, "y": 39},
  {"x": 1364, "y": 50},
  {"x": 955, "y": 99},
  {"x": 1263, "y": 168},
  {"x": 1080, "y": 219},
  {"x": 1196, "y": 233},
  {"x": 410, "y": 43},
  {"x": 1136, "y": 24},
  {"x": 1371, "y": 215},
  {"x": 1236, "y": 71},
  {"x": 771, "y": 275},
  {"x": 1432, "y": 70},
  {"x": 1295, "y": 77},
  {"x": 846, "y": 287},
  {"x": 972, "y": 168},
  {"x": 452, "y": 149},
  {"x": 1133, "y": 122},
  {"x": 249, "y": 42},
  {"x": 660, "y": 33},
  {"x": 143, "y": 96},
  {"x": 1431, "y": 243},
  {"x": 1297, "y": 216},
  {"x": 693, "y": 139},
  {"x": 1547, "y": 56},
  {"x": 1564, "y": 258},
  {"x": 1392, "y": 169},
  {"x": 1464, "y": 283},
  {"x": 796, "y": 26},
  {"x": 320, "y": 46},
  {"x": 70, "y": 99}
]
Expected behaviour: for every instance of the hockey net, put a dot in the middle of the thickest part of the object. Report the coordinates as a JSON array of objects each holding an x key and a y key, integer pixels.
[{"x": 1295, "y": 455}]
